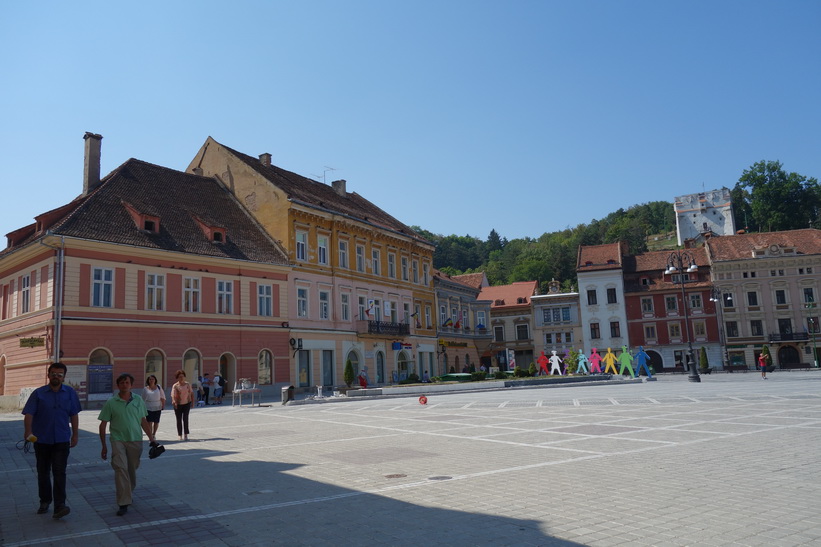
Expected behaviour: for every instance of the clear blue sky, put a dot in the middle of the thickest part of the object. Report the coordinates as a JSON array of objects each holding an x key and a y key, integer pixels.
[{"x": 458, "y": 116}]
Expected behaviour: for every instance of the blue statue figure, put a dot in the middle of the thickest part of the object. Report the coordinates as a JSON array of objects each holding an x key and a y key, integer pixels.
[
  {"x": 581, "y": 363},
  {"x": 641, "y": 362}
]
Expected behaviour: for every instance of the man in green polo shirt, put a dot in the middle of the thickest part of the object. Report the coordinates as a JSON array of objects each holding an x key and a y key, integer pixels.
[{"x": 126, "y": 412}]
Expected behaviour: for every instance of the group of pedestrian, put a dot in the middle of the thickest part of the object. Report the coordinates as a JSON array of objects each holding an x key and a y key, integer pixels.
[
  {"x": 210, "y": 386},
  {"x": 51, "y": 424}
]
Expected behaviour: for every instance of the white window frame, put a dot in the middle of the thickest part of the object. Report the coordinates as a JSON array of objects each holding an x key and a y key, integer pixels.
[
  {"x": 392, "y": 265},
  {"x": 360, "y": 258},
  {"x": 154, "y": 291},
  {"x": 322, "y": 249},
  {"x": 301, "y": 245},
  {"x": 191, "y": 294},
  {"x": 343, "y": 254},
  {"x": 102, "y": 287},
  {"x": 415, "y": 271},
  {"x": 345, "y": 307},
  {"x": 376, "y": 262},
  {"x": 265, "y": 300},
  {"x": 404, "y": 264},
  {"x": 25, "y": 294},
  {"x": 324, "y": 305},
  {"x": 225, "y": 297},
  {"x": 302, "y": 296}
]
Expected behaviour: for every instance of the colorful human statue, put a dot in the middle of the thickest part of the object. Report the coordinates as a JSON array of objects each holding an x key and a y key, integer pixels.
[
  {"x": 595, "y": 362},
  {"x": 609, "y": 361},
  {"x": 641, "y": 362},
  {"x": 626, "y": 361},
  {"x": 555, "y": 363},
  {"x": 543, "y": 360},
  {"x": 581, "y": 363}
]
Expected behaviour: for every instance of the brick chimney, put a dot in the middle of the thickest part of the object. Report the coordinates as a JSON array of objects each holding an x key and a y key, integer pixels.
[
  {"x": 91, "y": 165},
  {"x": 265, "y": 159},
  {"x": 339, "y": 187}
]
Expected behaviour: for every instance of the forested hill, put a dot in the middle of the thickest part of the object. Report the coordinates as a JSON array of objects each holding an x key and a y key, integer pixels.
[
  {"x": 765, "y": 198},
  {"x": 552, "y": 255}
]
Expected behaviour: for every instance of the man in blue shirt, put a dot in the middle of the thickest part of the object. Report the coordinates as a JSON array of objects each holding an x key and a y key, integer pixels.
[{"x": 47, "y": 415}]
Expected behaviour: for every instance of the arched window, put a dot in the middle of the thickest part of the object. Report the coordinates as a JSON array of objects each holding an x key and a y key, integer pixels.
[
  {"x": 99, "y": 357},
  {"x": 155, "y": 364},
  {"x": 191, "y": 364},
  {"x": 266, "y": 367}
]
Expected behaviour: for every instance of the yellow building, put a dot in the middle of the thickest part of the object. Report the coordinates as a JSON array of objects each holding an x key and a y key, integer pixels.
[{"x": 362, "y": 284}]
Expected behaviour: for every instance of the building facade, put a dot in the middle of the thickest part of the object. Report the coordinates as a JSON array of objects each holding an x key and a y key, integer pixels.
[
  {"x": 556, "y": 321},
  {"x": 463, "y": 334},
  {"x": 362, "y": 283},
  {"x": 769, "y": 289},
  {"x": 707, "y": 213},
  {"x": 600, "y": 275},
  {"x": 148, "y": 271},
  {"x": 511, "y": 318},
  {"x": 656, "y": 307}
]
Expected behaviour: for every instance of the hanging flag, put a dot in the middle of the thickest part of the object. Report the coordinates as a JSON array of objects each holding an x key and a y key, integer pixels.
[
  {"x": 370, "y": 308},
  {"x": 448, "y": 322},
  {"x": 458, "y": 324}
]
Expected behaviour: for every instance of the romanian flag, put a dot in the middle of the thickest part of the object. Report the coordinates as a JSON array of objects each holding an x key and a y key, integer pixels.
[{"x": 448, "y": 323}]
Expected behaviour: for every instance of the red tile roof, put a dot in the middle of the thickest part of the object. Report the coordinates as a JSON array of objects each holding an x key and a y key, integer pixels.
[
  {"x": 322, "y": 196},
  {"x": 741, "y": 246},
  {"x": 600, "y": 257},
  {"x": 475, "y": 280},
  {"x": 509, "y": 295}
]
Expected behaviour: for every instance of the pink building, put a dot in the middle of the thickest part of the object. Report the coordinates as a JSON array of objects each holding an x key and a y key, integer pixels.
[{"x": 148, "y": 271}]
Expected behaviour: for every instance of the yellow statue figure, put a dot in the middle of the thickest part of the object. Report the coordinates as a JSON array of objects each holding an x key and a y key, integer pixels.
[{"x": 610, "y": 361}]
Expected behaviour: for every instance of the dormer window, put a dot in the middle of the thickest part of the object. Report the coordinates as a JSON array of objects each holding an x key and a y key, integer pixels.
[
  {"x": 215, "y": 234},
  {"x": 143, "y": 221}
]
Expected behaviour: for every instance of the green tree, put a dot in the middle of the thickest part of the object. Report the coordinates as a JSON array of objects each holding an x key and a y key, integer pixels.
[
  {"x": 703, "y": 363},
  {"x": 776, "y": 200},
  {"x": 765, "y": 351},
  {"x": 347, "y": 375}
]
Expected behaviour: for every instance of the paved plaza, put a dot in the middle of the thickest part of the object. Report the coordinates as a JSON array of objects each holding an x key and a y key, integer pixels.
[{"x": 730, "y": 461}]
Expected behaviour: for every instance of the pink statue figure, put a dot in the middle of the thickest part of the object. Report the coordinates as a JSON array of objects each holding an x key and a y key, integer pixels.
[
  {"x": 626, "y": 361},
  {"x": 595, "y": 362},
  {"x": 581, "y": 363},
  {"x": 610, "y": 361},
  {"x": 543, "y": 360},
  {"x": 555, "y": 363}
]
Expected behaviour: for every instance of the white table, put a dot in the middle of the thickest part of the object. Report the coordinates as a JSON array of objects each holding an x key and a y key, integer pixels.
[{"x": 237, "y": 393}]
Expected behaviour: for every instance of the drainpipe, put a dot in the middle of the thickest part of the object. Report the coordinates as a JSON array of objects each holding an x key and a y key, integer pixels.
[{"x": 58, "y": 304}]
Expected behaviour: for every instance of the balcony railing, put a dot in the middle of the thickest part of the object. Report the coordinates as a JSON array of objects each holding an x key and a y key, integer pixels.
[
  {"x": 383, "y": 327},
  {"x": 792, "y": 337}
]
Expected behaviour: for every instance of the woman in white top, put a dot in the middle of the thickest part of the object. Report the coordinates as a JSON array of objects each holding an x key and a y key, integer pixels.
[{"x": 154, "y": 398}]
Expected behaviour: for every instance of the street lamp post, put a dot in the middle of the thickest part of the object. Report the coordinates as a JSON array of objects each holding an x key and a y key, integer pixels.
[
  {"x": 813, "y": 324},
  {"x": 716, "y": 296},
  {"x": 682, "y": 262}
]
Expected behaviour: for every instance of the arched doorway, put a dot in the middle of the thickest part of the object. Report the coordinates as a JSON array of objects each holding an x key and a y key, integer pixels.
[
  {"x": 456, "y": 364},
  {"x": 192, "y": 365},
  {"x": 155, "y": 365},
  {"x": 228, "y": 370},
  {"x": 265, "y": 368},
  {"x": 656, "y": 362},
  {"x": 353, "y": 357},
  {"x": 380, "y": 368},
  {"x": 404, "y": 364},
  {"x": 788, "y": 355}
]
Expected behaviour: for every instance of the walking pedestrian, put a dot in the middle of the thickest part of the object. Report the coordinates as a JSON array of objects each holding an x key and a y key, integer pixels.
[
  {"x": 218, "y": 383},
  {"x": 50, "y": 415},
  {"x": 182, "y": 397},
  {"x": 205, "y": 384},
  {"x": 762, "y": 362},
  {"x": 154, "y": 398},
  {"x": 127, "y": 414}
]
